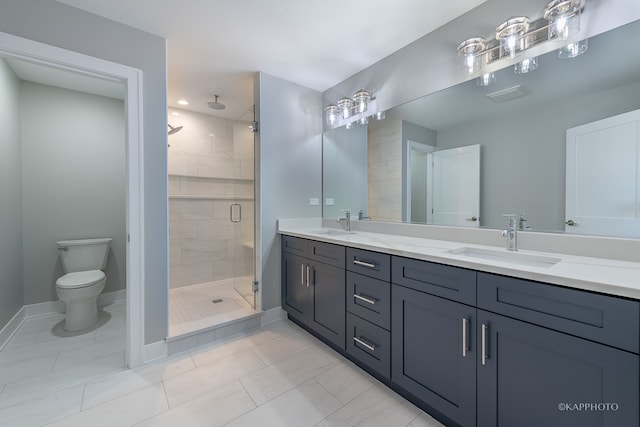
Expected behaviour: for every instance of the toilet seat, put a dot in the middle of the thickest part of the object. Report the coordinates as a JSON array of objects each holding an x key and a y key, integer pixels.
[{"x": 80, "y": 279}]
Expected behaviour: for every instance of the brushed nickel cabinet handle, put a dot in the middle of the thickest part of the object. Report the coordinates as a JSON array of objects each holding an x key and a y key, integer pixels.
[
  {"x": 365, "y": 299},
  {"x": 308, "y": 274},
  {"x": 484, "y": 344},
  {"x": 364, "y": 344},
  {"x": 364, "y": 264},
  {"x": 302, "y": 274},
  {"x": 465, "y": 327}
]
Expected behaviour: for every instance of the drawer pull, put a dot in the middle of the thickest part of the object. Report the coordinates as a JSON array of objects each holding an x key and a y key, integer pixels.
[
  {"x": 364, "y": 344},
  {"x": 465, "y": 328},
  {"x": 364, "y": 264},
  {"x": 484, "y": 344},
  {"x": 365, "y": 299},
  {"x": 308, "y": 274},
  {"x": 302, "y": 274}
]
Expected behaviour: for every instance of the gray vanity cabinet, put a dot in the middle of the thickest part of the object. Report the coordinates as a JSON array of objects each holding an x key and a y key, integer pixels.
[
  {"x": 533, "y": 376},
  {"x": 313, "y": 286},
  {"x": 369, "y": 309},
  {"x": 433, "y": 340}
]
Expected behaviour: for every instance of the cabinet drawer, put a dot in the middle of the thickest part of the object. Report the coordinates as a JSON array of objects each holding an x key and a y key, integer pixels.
[
  {"x": 372, "y": 264},
  {"x": 369, "y": 298},
  {"x": 601, "y": 318},
  {"x": 326, "y": 253},
  {"x": 369, "y": 344},
  {"x": 295, "y": 245},
  {"x": 453, "y": 283}
]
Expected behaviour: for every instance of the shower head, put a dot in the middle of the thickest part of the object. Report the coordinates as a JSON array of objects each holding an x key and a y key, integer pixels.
[
  {"x": 173, "y": 130},
  {"x": 215, "y": 104}
]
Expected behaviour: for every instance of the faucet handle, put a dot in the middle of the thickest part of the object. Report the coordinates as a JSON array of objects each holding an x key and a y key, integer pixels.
[{"x": 512, "y": 219}]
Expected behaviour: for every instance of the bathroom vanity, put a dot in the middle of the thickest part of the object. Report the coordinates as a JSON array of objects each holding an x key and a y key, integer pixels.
[{"x": 472, "y": 336}]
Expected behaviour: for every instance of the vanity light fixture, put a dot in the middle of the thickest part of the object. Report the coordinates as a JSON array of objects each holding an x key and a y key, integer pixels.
[
  {"x": 347, "y": 111},
  {"x": 345, "y": 105},
  {"x": 573, "y": 49},
  {"x": 560, "y": 21},
  {"x": 526, "y": 65},
  {"x": 511, "y": 35},
  {"x": 486, "y": 79}
]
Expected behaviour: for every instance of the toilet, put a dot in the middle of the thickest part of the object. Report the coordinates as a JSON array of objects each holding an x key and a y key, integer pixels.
[{"x": 83, "y": 262}]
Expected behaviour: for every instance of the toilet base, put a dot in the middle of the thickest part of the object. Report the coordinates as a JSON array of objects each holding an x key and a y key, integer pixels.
[{"x": 81, "y": 314}]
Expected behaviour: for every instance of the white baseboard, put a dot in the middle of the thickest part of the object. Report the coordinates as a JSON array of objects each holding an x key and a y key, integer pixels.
[
  {"x": 50, "y": 307},
  {"x": 11, "y": 327},
  {"x": 155, "y": 351},
  {"x": 273, "y": 315}
]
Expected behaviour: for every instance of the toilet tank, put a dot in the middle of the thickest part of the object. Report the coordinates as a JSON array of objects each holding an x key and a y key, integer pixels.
[{"x": 84, "y": 255}]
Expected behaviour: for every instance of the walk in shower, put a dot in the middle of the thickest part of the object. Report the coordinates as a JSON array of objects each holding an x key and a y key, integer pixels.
[{"x": 211, "y": 220}]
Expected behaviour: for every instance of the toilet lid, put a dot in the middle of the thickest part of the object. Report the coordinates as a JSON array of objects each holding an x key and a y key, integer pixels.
[{"x": 80, "y": 279}]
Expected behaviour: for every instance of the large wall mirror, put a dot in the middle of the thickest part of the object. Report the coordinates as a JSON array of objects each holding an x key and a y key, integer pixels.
[{"x": 559, "y": 144}]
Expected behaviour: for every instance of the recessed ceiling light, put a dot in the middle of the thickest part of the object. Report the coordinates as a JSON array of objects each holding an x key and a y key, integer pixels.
[{"x": 183, "y": 102}]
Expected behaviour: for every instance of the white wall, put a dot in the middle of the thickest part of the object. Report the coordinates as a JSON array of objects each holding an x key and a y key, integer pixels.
[
  {"x": 73, "y": 181},
  {"x": 11, "y": 196},
  {"x": 59, "y": 25},
  {"x": 290, "y": 150}
]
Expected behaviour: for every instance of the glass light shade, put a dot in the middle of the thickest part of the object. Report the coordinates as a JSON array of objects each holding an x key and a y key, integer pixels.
[
  {"x": 526, "y": 65},
  {"x": 331, "y": 112},
  {"x": 471, "y": 53},
  {"x": 348, "y": 125},
  {"x": 511, "y": 35},
  {"x": 573, "y": 49},
  {"x": 563, "y": 17},
  {"x": 486, "y": 79},
  {"x": 361, "y": 99},
  {"x": 380, "y": 115},
  {"x": 345, "y": 105},
  {"x": 363, "y": 120}
]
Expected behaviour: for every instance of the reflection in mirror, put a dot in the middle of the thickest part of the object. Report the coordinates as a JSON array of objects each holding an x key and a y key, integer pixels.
[{"x": 521, "y": 123}]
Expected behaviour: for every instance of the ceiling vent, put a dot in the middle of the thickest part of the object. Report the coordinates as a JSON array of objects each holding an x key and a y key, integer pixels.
[{"x": 508, "y": 94}]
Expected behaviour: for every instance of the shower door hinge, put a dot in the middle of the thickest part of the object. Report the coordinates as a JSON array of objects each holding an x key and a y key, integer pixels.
[
  {"x": 255, "y": 286},
  {"x": 254, "y": 126}
]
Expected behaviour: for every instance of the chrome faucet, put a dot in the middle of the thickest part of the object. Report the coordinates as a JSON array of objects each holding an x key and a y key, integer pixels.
[
  {"x": 511, "y": 233},
  {"x": 347, "y": 219},
  {"x": 362, "y": 216}
]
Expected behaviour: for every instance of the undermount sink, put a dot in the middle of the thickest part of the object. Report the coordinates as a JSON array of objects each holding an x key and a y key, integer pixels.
[
  {"x": 332, "y": 232},
  {"x": 507, "y": 257}
]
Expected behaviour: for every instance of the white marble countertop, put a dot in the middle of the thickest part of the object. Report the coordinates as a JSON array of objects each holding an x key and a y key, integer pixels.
[{"x": 614, "y": 277}]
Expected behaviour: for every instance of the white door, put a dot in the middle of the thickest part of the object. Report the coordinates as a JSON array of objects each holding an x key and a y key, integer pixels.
[
  {"x": 602, "y": 182},
  {"x": 456, "y": 186}
]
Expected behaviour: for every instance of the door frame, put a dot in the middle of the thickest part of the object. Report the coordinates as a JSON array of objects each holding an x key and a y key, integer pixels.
[
  {"x": 32, "y": 51},
  {"x": 425, "y": 148}
]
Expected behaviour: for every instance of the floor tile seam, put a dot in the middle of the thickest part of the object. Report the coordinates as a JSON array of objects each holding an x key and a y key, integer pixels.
[
  {"x": 83, "y": 409},
  {"x": 41, "y": 395},
  {"x": 342, "y": 405},
  {"x": 284, "y": 358},
  {"x": 336, "y": 397},
  {"x": 95, "y": 356}
]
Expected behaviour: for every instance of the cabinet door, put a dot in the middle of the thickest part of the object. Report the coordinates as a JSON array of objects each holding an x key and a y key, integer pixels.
[
  {"x": 533, "y": 376},
  {"x": 327, "y": 285},
  {"x": 433, "y": 352},
  {"x": 296, "y": 292}
]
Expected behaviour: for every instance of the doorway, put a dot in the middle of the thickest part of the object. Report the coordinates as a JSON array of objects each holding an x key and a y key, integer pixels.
[{"x": 211, "y": 220}]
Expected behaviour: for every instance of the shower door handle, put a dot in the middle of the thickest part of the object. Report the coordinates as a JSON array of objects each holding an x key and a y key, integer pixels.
[{"x": 232, "y": 218}]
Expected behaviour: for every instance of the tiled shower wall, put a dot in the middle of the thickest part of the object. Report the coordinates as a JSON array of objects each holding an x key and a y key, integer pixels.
[{"x": 210, "y": 168}]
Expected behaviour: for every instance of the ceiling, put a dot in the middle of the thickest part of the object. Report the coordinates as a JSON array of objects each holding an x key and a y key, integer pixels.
[{"x": 216, "y": 46}]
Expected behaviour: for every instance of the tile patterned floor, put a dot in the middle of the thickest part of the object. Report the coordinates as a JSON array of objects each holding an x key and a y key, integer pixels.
[
  {"x": 191, "y": 308},
  {"x": 277, "y": 376}
]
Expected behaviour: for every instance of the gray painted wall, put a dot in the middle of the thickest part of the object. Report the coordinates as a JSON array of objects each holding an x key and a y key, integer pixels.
[
  {"x": 430, "y": 63},
  {"x": 59, "y": 25},
  {"x": 290, "y": 150},
  {"x": 11, "y": 196},
  {"x": 73, "y": 181}
]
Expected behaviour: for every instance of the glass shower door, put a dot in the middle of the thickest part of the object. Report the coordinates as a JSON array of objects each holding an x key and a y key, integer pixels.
[{"x": 242, "y": 207}]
